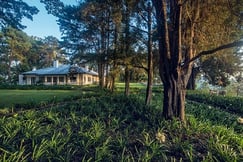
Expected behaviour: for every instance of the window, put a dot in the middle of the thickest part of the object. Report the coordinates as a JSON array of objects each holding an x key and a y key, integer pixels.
[
  {"x": 73, "y": 79},
  {"x": 54, "y": 80},
  {"x": 41, "y": 79},
  {"x": 32, "y": 80},
  {"x": 89, "y": 79},
  {"x": 49, "y": 79},
  {"x": 61, "y": 79}
]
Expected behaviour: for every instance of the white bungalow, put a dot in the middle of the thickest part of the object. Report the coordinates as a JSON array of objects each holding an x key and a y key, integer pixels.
[{"x": 59, "y": 75}]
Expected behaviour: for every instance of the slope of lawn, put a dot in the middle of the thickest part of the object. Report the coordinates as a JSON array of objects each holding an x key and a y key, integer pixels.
[
  {"x": 106, "y": 127},
  {"x": 9, "y": 98}
]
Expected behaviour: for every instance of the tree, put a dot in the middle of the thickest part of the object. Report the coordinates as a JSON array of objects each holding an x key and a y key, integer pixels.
[
  {"x": 222, "y": 20},
  {"x": 177, "y": 56},
  {"x": 12, "y": 12},
  {"x": 98, "y": 30},
  {"x": 43, "y": 53},
  {"x": 14, "y": 45},
  {"x": 50, "y": 50},
  {"x": 150, "y": 56},
  {"x": 146, "y": 25},
  {"x": 217, "y": 69},
  {"x": 220, "y": 67},
  {"x": 86, "y": 29},
  {"x": 114, "y": 60}
]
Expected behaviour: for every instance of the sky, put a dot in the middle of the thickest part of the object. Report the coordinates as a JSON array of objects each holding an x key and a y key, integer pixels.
[{"x": 43, "y": 24}]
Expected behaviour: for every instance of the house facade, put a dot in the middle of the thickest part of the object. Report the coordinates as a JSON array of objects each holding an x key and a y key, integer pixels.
[{"x": 59, "y": 75}]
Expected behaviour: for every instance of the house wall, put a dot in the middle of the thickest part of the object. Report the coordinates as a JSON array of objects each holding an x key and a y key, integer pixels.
[
  {"x": 55, "y": 80},
  {"x": 28, "y": 80},
  {"x": 73, "y": 80},
  {"x": 21, "y": 80},
  {"x": 89, "y": 79},
  {"x": 77, "y": 79}
]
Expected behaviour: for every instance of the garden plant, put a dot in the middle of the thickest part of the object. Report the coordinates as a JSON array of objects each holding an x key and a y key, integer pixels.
[{"x": 101, "y": 126}]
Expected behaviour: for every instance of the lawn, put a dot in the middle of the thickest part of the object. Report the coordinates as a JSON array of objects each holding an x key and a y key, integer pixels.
[{"x": 8, "y": 98}]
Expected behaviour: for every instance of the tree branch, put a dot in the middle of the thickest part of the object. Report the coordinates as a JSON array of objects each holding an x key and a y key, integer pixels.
[
  {"x": 139, "y": 29},
  {"x": 212, "y": 51},
  {"x": 141, "y": 67}
]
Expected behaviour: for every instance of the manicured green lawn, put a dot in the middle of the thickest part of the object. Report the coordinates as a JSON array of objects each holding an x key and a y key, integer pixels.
[
  {"x": 12, "y": 97},
  {"x": 132, "y": 85}
]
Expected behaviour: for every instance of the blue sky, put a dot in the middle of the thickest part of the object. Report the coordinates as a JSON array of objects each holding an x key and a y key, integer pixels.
[{"x": 43, "y": 24}]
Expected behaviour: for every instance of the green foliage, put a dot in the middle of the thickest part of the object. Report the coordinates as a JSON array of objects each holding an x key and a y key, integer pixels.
[
  {"x": 105, "y": 127},
  {"x": 14, "y": 45},
  {"x": 21, "y": 53},
  {"x": 222, "y": 26},
  {"x": 214, "y": 115},
  {"x": 13, "y": 11},
  {"x": 228, "y": 103},
  {"x": 219, "y": 68}
]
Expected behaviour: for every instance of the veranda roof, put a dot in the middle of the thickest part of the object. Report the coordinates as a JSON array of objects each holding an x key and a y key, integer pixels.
[{"x": 60, "y": 70}]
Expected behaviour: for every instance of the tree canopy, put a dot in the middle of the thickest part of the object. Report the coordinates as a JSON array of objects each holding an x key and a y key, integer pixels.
[
  {"x": 20, "y": 53},
  {"x": 12, "y": 12}
]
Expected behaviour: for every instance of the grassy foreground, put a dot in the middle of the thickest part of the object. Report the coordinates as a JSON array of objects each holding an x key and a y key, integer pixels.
[{"x": 105, "y": 127}]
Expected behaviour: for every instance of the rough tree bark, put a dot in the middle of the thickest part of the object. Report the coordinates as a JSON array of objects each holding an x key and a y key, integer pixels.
[
  {"x": 101, "y": 62},
  {"x": 127, "y": 50},
  {"x": 150, "y": 58},
  {"x": 172, "y": 75},
  {"x": 101, "y": 74},
  {"x": 192, "y": 80},
  {"x": 127, "y": 81}
]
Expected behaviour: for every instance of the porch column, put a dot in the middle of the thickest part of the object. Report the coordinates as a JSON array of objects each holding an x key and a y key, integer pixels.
[{"x": 58, "y": 80}]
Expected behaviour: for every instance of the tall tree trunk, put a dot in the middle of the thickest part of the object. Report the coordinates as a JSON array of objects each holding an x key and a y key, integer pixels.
[
  {"x": 101, "y": 59},
  {"x": 174, "y": 97},
  {"x": 112, "y": 84},
  {"x": 149, "y": 86},
  {"x": 113, "y": 75},
  {"x": 191, "y": 85},
  {"x": 10, "y": 56},
  {"x": 150, "y": 59},
  {"x": 193, "y": 70},
  {"x": 101, "y": 74},
  {"x": 127, "y": 49},
  {"x": 111, "y": 78},
  {"x": 127, "y": 81},
  {"x": 114, "y": 67},
  {"x": 192, "y": 80},
  {"x": 174, "y": 78},
  {"x": 9, "y": 72}
]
